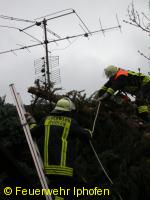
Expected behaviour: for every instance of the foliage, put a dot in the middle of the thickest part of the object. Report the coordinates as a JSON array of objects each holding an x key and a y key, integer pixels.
[
  {"x": 16, "y": 163},
  {"x": 120, "y": 139}
]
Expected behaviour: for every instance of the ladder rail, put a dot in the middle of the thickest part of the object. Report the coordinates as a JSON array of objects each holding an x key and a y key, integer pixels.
[
  {"x": 21, "y": 112},
  {"x": 35, "y": 143}
]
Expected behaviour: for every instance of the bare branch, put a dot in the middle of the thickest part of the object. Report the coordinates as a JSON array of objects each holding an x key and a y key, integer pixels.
[
  {"x": 136, "y": 20},
  {"x": 140, "y": 21},
  {"x": 142, "y": 54}
]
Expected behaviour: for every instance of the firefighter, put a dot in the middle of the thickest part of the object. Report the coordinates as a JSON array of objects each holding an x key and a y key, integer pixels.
[
  {"x": 130, "y": 82},
  {"x": 60, "y": 132}
]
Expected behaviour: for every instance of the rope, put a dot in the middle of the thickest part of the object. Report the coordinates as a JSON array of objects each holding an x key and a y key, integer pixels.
[
  {"x": 96, "y": 155},
  {"x": 96, "y": 117},
  {"x": 100, "y": 163}
]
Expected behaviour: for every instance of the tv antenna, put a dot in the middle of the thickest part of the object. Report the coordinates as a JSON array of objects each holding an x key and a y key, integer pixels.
[{"x": 57, "y": 38}]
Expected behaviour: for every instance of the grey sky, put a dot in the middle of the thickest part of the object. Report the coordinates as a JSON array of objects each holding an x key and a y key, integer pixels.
[{"x": 82, "y": 63}]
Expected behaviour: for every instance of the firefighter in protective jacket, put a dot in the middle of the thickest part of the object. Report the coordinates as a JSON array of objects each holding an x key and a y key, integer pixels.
[
  {"x": 130, "y": 82},
  {"x": 60, "y": 131}
]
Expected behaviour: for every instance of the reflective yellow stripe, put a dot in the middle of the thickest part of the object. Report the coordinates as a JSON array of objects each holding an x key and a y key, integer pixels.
[
  {"x": 110, "y": 91},
  {"x": 142, "y": 109},
  {"x": 64, "y": 143},
  {"x": 57, "y": 169},
  {"x": 57, "y": 121},
  {"x": 104, "y": 88},
  {"x": 32, "y": 126},
  {"x": 47, "y": 132},
  {"x": 145, "y": 80},
  {"x": 135, "y": 73}
]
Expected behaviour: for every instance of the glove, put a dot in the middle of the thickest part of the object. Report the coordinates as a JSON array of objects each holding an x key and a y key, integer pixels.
[
  {"x": 29, "y": 118},
  {"x": 104, "y": 96}
]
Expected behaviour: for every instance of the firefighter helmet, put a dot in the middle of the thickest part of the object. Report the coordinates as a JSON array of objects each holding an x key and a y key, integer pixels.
[
  {"x": 110, "y": 70},
  {"x": 65, "y": 104}
]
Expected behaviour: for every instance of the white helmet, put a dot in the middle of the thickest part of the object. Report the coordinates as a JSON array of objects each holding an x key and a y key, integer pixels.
[
  {"x": 110, "y": 70},
  {"x": 65, "y": 104}
]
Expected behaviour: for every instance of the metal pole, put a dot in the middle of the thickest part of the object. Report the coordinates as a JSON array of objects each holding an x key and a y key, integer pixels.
[
  {"x": 46, "y": 51},
  {"x": 44, "y": 67}
]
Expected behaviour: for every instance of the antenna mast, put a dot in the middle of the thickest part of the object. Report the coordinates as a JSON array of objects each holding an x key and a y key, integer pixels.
[
  {"x": 46, "y": 53},
  {"x": 43, "y": 24}
]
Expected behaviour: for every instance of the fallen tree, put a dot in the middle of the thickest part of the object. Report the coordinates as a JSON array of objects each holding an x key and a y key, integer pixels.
[{"x": 121, "y": 140}]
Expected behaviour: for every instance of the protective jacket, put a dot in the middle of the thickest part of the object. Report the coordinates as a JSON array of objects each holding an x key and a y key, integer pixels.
[
  {"x": 60, "y": 133},
  {"x": 127, "y": 81},
  {"x": 131, "y": 82}
]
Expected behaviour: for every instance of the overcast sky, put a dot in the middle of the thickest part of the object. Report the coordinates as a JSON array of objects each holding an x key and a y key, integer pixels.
[{"x": 82, "y": 62}]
